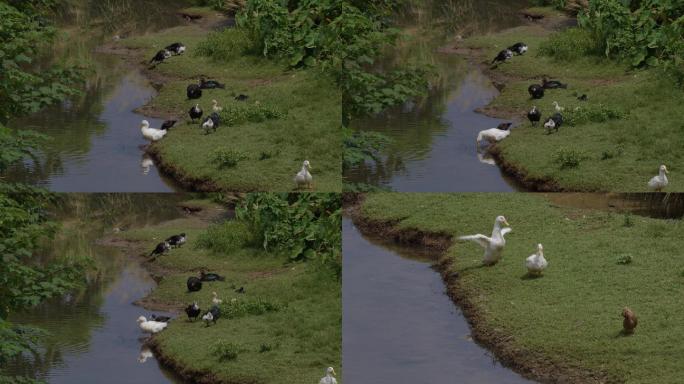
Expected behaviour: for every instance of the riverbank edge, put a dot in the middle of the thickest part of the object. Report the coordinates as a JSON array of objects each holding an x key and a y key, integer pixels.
[
  {"x": 530, "y": 364},
  {"x": 135, "y": 250},
  {"x": 476, "y": 57}
]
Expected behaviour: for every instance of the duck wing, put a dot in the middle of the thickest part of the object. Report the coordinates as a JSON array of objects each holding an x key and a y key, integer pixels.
[
  {"x": 506, "y": 230},
  {"x": 483, "y": 240}
]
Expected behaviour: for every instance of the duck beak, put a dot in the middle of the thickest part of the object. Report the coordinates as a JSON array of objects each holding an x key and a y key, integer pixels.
[
  {"x": 506, "y": 222},
  {"x": 333, "y": 372}
]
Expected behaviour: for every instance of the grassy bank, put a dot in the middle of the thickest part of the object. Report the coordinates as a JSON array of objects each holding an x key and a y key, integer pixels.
[
  {"x": 563, "y": 327},
  {"x": 285, "y": 328},
  {"x": 600, "y": 152},
  {"x": 290, "y": 116}
]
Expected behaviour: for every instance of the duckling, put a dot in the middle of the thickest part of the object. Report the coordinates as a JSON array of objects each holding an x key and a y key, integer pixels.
[
  {"x": 176, "y": 48},
  {"x": 194, "y": 91},
  {"x": 215, "y": 300},
  {"x": 193, "y": 311},
  {"x": 194, "y": 284},
  {"x": 518, "y": 48},
  {"x": 536, "y": 91},
  {"x": 630, "y": 321},
  {"x": 534, "y": 115},
  {"x": 303, "y": 177},
  {"x": 195, "y": 113},
  {"x": 558, "y": 108},
  {"x": 658, "y": 183},
  {"x": 215, "y": 107},
  {"x": 151, "y": 134},
  {"x": 503, "y": 56},
  {"x": 536, "y": 264},
  {"x": 552, "y": 84},
  {"x": 328, "y": 378}
]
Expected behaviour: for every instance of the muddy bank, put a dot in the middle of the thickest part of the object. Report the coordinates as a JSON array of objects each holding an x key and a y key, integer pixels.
[{"x": 530, "y": 364}]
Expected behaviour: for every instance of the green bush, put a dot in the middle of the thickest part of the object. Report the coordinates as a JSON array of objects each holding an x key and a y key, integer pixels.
[
  {"x": 570, "y": 44},
  {"x": 360, "y": 146},
  {"x": 224, "y": 45},
  {"x": 568, "y": 158},
  {"x": 228, "y": 158},
  {"x": 225, "y": 351},
  {"x": 598, "y": 113}
]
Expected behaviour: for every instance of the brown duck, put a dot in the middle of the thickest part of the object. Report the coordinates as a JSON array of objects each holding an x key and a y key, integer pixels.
[{"x": 630, "y": 321}]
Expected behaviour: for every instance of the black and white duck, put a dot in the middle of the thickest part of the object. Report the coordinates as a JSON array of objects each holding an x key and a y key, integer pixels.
[
  {"x": 195, "y": 112},
  {"x": 193, "y": 311},
  {"x": 211, "y": 276},
  {"x": 176, "y": 48},
  {"x": 160, "y": 249},
  {"x": 583, "y": 97},
  {"x": 194, "y": 284},
  {"x": 503, "y": 56},
  {"x": 168, "y": 124},
  {"x": 241, "y": 97},
  {"x": 160, "y": 57},
  {"x": 163, "y": 319},
  {"x": 210, "y": 84},
  {"x": 518, "y": 48},
  {"x": 212, "y": 315},
  {"x": 536, "y": 91},
  {"x": 177, "y": 240},
  {"x": 553, "y": 123},
  {"x": 194, "y": 91},
  {"x": 241, "y": 290},
  {"x": 534, "y": 115},
  {"x": 211, "y": 122},
  {"x": 553, "y": 84}
]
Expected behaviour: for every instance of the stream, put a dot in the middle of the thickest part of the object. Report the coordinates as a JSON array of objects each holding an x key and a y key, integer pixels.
[
  {"x": 399, "y": 325},
  {"x": 432, "y": 142},
  {"x": 92, "y": 334},
  {"x": 94, "y": 140}
]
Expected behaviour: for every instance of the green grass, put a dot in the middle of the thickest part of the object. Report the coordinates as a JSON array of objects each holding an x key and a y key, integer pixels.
[
  {"x": 573, "y": 312},
  {"x": 286, "y": 328},
  {"x": 304, "y": 124},
  {"x": 650, "y": 133}
]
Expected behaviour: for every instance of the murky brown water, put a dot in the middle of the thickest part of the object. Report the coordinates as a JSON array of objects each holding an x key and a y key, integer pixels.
[{"x": 433, "y": 142}]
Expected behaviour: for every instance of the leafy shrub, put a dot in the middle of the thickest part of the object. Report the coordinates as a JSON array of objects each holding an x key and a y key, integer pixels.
[
  {"x": 628, "y": 221},
  {"x": 224, "y": 45},
  {"x": 598, "y": 113},
  {"x": 225, "y": 351},
  {"x": 625, "y": 260},
  {"x": 570, "y": 44},
  {"x": 241, "y": 308},
  {"x": 265, "y": 348},
  {"x": 568, "y": 158},
  {"x": 360, "y": 146},
  {"x": 233, "y": 115},
  {"x": 306, "y": 226},
  {"x": 228, "y": 158},
  {"x": 225, "y": 236},
  {"x": 647, "y": 32}
]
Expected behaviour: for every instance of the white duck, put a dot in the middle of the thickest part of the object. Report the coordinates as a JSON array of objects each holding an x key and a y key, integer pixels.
[
  {"x": 558, "y": 108},
  {"x": 215, "y": 300},
  {"x": 492, "y": 135},
  {"x": 151, "y": 134},
  {"x": 328, "y": 378},
  {"x": 149, "y": 326},
  {"x": 658, "y": 183},
  {"x": 303, "y": 177},
  {"x": 536, "y": 263},
  {"x": 493, "y": 245},
  {"x": 215, "y": 107}
]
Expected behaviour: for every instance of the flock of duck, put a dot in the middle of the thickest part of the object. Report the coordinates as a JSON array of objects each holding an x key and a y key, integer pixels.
[
  {"x": 157, "y": 323},
  {"x": 210, "y": 123},
  {"x": 535, "y": 264},
  {"x": 554, "y": 122}
]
